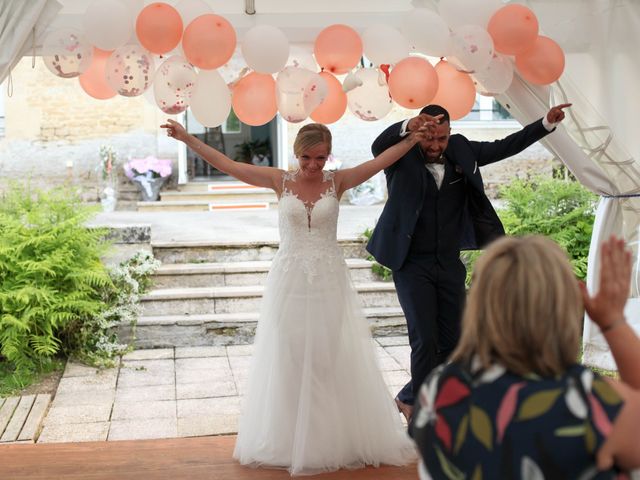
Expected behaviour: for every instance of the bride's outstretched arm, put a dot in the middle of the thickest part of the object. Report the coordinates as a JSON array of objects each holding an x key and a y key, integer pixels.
[
  {"x": 267, "y": 177},
  {"x": 352, "y": 177}
]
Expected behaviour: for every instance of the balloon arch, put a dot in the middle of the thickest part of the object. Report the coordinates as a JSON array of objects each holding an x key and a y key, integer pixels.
[{"x": 179, "y": 50}]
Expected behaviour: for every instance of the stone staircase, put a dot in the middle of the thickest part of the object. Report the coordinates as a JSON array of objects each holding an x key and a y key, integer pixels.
[
  {"x": 206, "y": 196},
  {"x": 209, "y": 294}
]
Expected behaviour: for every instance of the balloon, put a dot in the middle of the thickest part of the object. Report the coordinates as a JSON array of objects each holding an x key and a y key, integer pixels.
[
  {"x": 189, "y": 10},
  {"x": 93, "y": 80},
  {"x": 370, "y": 101},
  {"x": 338, "y": 48},
  {"x": 66, "y": 53},
  {"x": 299, "y": 92},
  {"x": 335, "y": 103},
  {"x": 427, "y": 32},
  {"x": 384, "y": 44},
  {"x": 456, "y": 92},
  {"x": 496, "y": 78},
  {"x": 209, "y": 41},
  {"x": 211, "y": 99},
  {"x": 265, "y": 49},
  {"x": 107, "y": 24},
  {"x": 174, "y": 84},
  {"x": 129, "y": 70},
  {"x": 543, "y": 63},
  {"x": 472, "y": 48},
  {"x": 514, "y": 29},
  {"x": 301, "y": 55},
  {"x": 159, "y": 27},
  {"x": 254, "y": 99},
  {"x": 413, "y": 82},
  {"x": 464, "y": 12}
]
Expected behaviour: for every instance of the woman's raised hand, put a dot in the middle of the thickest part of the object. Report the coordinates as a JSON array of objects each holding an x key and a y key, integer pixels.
[
  {"x": 606, "y": 307},
  {"x": 175, "y": 130}
]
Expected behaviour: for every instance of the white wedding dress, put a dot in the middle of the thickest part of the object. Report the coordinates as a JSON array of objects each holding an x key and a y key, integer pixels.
[{"x": 316, "y": 400}]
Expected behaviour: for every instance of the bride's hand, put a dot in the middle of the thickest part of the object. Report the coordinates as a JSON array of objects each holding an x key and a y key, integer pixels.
[
  {"x": 422, "y": 133},
  {"x": 175, "y": 130}
]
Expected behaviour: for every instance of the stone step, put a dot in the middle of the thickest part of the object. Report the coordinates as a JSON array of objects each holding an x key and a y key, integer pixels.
[
  {"x": 207, "y": 252},
  {"x": 199, "y": 206},
  {"x": 242, "y": 299},
  {"x": 237, "y": 274},
  {"x": 224, "y": 184},
  {"x": 255, "y": 195},
  {"x": 163, "y": 331}
]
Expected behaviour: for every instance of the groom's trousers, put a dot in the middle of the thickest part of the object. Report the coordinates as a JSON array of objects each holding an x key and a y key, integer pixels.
[{"x": 431, "y": 291}]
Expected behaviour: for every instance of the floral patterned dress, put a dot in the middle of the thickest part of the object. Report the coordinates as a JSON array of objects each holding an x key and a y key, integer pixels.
[{"x": 493, "y": 424}]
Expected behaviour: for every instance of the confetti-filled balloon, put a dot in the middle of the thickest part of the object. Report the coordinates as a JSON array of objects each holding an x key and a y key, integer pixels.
[
  {"x": 66, "y": 52},
  {"x": 129, "y": 70},
  {"x": 299, "y": 92},
  {"x": 371, "y": 100},
  {"x": 174, "y": 85}
]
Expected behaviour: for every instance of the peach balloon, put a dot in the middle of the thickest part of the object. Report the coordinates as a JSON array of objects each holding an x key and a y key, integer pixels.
[
  {"x": 413, "y": 82},
  {"x": 335, "y": 103},
  {"x": 543, "y": 63},
  {"x": 338, "y": 48},
  {"x": 456, "y": 91},
  {"x": 94, "y": 79},
  {"x": 159, "y": 27},
  {"x": 513, "y": 28},
  {"x": 254, "y": 99},
  {"x": 209, "y": 41}
]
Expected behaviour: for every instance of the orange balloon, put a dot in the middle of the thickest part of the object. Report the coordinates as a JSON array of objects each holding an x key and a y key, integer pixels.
[
  {"x": 338, "y": 48},
  {"x": 543, "y": 63},
  {"x": 513, "y": 28},
  {"x": 159, "y": 27},
  {"x": 335, "y": 103},
  {"x": 254, "y": 99},
  {"x": 94, "y": 80},
  {"x": 413, "y": 82},
  {"x": 456, "y": 91},
  {"x": 209, "y": 41}
]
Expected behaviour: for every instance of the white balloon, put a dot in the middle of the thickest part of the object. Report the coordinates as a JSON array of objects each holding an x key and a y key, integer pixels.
[
  {"x": 301, "y": 55},
  {"x": 427, "y": 32},
  {"x": 466, "y": 12},
  {"x": 191, "y": 9},
  {"x": 370, "y": 101},
  {"x": 472, "y": 48},
  {"x": 384, "y": 44},
  {"x": 350, "y": 82},
  {"x": 108, "y": 24},
  {"x": 66, "y": 52},
  {"x": 174, "y": 84},
  {"x": 211, "y": 99},
  {"x": 265, "y": 49},
  {"x": 496, "y": 78},
  {"x": 129, "y": 70},
  {"x": 298, "y": 92}
]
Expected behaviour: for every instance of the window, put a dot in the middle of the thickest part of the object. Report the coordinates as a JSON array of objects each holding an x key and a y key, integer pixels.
[
  {"x": 487, "y": 109},
  {"x": 232, "y": 125}
]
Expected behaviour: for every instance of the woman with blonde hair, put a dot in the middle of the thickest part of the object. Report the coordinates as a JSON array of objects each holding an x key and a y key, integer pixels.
[
  {"x": 513, "y": 403},
  {"x": 316, "y": 400}
]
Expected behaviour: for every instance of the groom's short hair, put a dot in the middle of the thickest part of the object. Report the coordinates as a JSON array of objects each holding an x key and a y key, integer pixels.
[{"x": 435, "y": 110}]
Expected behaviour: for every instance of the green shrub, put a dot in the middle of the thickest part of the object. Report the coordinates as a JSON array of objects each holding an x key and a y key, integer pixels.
[
  {"x": 383, "y": 272},
  {"x": 51, "y": 276}
]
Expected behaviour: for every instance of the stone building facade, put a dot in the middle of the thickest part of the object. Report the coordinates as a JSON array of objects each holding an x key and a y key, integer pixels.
[{"x": 54, "y": 130}]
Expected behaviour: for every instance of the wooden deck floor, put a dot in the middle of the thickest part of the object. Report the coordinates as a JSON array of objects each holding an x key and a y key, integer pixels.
[{"x": 182, "y": 458}]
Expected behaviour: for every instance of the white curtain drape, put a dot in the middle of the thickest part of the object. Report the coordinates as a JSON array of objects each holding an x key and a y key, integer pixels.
[
  {"x": 598, "y": 141},
  {"x": 22, "y": 24}
]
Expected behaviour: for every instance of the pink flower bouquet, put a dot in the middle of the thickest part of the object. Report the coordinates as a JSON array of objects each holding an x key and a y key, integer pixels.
[{"x": 150, "y": 167}]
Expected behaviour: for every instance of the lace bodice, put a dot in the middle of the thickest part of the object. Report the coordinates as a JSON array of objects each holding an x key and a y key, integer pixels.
[{"x": 308, "y": 231}]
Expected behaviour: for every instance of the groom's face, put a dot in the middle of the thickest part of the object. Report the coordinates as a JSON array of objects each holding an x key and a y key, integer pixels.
[{"x": 435, "y": 147}]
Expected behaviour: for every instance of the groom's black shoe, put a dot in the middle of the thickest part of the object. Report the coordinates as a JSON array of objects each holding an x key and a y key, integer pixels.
[{"x": 405, "y": 409}]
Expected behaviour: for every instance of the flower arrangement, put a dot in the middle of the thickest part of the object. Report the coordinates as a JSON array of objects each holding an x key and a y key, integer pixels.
[
  {"x": 108, "y": 160},
  {"x": 149, "y": 167}
]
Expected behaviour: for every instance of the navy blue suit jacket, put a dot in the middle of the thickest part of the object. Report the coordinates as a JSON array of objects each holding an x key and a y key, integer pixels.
[{"x": 406, "y": 186}]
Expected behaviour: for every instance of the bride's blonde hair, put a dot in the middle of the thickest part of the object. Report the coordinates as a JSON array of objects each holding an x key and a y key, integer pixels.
[{"x": 311, "y": 135}]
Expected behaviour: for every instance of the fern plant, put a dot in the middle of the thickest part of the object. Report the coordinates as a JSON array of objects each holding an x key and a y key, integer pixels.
[{"x": 51, "y": 275}]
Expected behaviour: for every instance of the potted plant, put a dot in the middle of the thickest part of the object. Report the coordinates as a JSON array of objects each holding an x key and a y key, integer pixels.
[
  {"x": 257, "y": 152},
  {"x": 148, "y": 174}
]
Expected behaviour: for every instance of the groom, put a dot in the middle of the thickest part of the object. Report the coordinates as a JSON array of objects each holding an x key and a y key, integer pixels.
[{"x": 436, "y": 207}]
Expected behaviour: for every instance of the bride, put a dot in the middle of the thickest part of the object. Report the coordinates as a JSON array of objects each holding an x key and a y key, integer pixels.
[{"x": 316, "y": 400}]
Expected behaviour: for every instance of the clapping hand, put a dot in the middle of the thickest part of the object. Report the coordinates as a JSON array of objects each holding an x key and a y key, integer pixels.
[
  {"x": 175, "y": 130},
  {"x": 606, "y": 307},
  {"x": 556, "y": 114}
]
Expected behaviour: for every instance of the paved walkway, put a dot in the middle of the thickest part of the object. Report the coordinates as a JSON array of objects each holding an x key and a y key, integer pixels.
[{"x": 171, "y": 392}]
